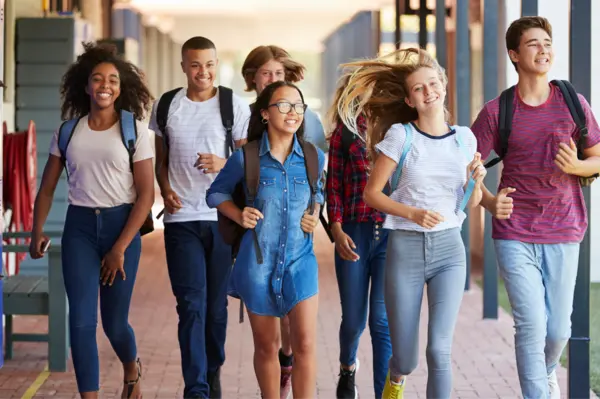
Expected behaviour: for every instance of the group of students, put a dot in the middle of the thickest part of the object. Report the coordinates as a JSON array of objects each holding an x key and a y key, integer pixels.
[{"x": 398, "y": 180}]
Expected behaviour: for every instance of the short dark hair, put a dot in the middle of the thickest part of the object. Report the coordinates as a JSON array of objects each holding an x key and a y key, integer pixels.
[
  {"x": 519, "y": 26},
  {"x": 197, "y": 43}
]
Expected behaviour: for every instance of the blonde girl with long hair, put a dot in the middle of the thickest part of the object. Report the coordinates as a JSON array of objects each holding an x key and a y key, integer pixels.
[{"x": 432, "y": 171}]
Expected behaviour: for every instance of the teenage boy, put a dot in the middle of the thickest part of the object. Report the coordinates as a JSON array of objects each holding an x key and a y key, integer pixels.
[
  {"x": 192, "y": 144},
  {"x": 537, "y": 242}
]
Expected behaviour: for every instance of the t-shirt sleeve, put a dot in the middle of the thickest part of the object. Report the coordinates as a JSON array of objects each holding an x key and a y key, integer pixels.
[
  {"x": 485, "y": 130},
  {"x": 591, "y": 122},
  {"x": 54, "y": 145},
  {"x": 143, "y": 148},
  {"x": 392, "y": 143},
  {"x": 241, "y": 118},
  {"x": 153, "y": 124}
]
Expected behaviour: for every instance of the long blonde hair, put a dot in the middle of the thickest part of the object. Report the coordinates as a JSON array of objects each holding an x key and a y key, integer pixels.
[{"x": 377, "y": 89}]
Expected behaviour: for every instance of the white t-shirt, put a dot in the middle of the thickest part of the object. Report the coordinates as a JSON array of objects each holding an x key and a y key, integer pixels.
[
  {"x": 196, "y": 127},
  {"x": 433, "y": 176},
  {"x": 98, "y": 165}
]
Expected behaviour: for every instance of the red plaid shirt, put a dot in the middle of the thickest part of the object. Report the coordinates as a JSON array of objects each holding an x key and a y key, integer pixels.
[{"x": 346, "y": 181}]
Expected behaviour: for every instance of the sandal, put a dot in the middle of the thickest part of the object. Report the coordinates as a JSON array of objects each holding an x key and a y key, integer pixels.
[{"x": 132, "y": 383}]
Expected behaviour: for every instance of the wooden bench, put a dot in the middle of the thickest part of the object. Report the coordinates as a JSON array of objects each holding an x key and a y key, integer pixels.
[{"x": 38, "y": 294}]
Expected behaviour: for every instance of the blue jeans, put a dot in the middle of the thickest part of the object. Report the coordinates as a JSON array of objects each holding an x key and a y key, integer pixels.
[
  {"x": 414, "y": 259},
  {"x": 540, "y": 282},
  {"x": 199, "y": 264},
  {"x": 89, "y": 234},
  {"x": 354, "y": 279}
]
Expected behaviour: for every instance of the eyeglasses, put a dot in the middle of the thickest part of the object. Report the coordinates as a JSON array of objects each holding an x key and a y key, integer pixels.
[{"x": 285, "y": 107}]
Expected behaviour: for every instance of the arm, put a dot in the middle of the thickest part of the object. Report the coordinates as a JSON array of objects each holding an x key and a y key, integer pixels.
[
  {"x": 590, "y": 165},
  {"x": 219, "y": 195},
  {"x": 162, "y": 165},
  {"x": 45, "y": 195},
  {"x": 335, "y": 181}
]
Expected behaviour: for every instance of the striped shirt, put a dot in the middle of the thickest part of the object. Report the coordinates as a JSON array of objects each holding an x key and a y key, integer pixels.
[
  {"x": 548, "y": 203},
  {"x": 433, "y": 176}
]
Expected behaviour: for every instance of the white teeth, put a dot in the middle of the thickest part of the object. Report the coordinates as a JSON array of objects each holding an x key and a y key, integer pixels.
[{"x": 104, "y": 95}]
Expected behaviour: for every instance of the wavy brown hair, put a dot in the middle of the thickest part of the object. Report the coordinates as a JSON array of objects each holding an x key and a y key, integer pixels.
[
  {"x": 294, "y": 71},
  {"x": 377, "y": 88},
  {"x": 135, "y": 96}
]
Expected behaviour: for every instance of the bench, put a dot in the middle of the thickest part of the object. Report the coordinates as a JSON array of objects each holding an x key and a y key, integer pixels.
[{"x": 38, "y": 294}]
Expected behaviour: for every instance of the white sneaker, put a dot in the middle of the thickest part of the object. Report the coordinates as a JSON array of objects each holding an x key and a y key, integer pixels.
[{"x": 553, "y": 387}]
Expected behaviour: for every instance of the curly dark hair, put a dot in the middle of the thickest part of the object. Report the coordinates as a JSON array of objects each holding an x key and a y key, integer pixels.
[
  {"x": 135, "y": 96},
  {"x": 255, "y": 127}
]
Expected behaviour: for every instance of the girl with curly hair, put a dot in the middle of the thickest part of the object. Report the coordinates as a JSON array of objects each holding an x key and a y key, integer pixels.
[
  {"x": 111, "y": 193},
  {"x": 432, "y": 170}
]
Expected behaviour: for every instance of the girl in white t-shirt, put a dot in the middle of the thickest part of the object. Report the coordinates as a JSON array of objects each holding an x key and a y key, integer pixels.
[
  {"x": 111, "y": 193},
  {"x": 403, "y": 99}
]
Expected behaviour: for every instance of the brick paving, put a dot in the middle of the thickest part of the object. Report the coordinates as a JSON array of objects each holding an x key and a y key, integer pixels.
[{"x": 483, "y": 354}]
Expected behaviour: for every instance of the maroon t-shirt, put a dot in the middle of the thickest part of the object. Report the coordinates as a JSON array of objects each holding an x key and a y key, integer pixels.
[{"x": 548, "y": 203}]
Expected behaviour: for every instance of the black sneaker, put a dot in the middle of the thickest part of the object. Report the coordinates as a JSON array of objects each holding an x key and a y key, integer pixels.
[
  {"x": 214, "y": 382},
  {"x": 346, "y": 388}
]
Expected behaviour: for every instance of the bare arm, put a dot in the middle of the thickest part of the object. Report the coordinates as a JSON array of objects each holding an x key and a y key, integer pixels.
[
  {"x": 162, "y": 165},
  {"x": 45, "y": 195}
]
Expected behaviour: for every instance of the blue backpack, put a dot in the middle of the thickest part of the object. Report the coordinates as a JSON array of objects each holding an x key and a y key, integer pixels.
[
  {"x": 406, "y": 148},
  {"x": 129, "y": 136}
]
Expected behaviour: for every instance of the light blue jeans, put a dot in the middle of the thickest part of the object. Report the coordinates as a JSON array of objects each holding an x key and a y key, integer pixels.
[
  {"x": 436, "y": 259},
  {"x": 540, "y": 282}
]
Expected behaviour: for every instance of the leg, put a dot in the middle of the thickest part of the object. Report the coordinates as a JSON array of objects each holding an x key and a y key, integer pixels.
[
  {"x": 286, "y": 340},
  {"x": 303, "y": 324},
  {"x": 559, "y": 270},
  {"x": 187, "y": 272},
  {"x": 520, "y": 269},
  {"x": 266, "y": 345},
  {"x": 378, "y": 322},
  {"x": 115, "y": 301},
  {"x": 286, "y": 359},
  {"x": 445, "y": 289}
]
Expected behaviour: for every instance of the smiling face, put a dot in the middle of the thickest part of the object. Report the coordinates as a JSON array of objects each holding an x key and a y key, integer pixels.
[
  {"x": 535, "y": 53},
  {"x": 285, "y": 99},
  {"x": 272, "y": 71},
  {"x": 104, "y": 86},
  {"x": 200, "y": 67},
  {"x": 426, "y": 92}
]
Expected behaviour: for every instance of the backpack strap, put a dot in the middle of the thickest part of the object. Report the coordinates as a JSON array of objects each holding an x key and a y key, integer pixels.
[
  {"x": 471, "y": 182},
  {"x": 128, "y": 134},
  {"x": 311, "y": 162},
  {"x": 576, "y": 110},
  {"x": 226, "y": 108},
  {"x": 505, "y": 117},
  {"x": 162, "y": 112},
  {"x": 405, "y": 150},
  {"x": 65, "y": 134},
  {"x": 252, "y": 177}
]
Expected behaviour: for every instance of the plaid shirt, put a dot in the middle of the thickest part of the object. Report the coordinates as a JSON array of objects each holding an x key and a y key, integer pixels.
[{"x": 346, "y": 181}]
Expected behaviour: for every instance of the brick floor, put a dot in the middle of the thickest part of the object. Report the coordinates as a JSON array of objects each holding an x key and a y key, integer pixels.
[{"x": 483, "y": 353}]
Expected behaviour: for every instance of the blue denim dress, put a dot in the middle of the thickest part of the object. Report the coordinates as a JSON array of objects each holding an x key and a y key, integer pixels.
[{"x": 289, "y": 272}]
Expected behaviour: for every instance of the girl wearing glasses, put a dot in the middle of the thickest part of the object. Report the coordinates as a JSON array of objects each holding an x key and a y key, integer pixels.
[{"x": 286, "y": 282}]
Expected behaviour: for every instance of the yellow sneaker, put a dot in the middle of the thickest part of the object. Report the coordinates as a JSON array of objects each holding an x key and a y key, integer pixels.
[{"x": 393, "y": 390}]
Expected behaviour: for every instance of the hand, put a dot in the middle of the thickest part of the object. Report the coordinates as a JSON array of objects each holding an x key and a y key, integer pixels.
[
  {"x": 425, "y": 218},
  {"x": 111, "y": 264},
  {"x": 37, "y": 244},
  {"x": 250, "y": 217},
  {"x": 309, "y": 222},
  {"x": 566, "y": 158},
  {"x": 476, "y": 170},
  {"x": 172, "y": 202},
  {"x": 210, "y": 163},
  {"x": 503, "y": 204},
  {"x": 344, "y": 246}
]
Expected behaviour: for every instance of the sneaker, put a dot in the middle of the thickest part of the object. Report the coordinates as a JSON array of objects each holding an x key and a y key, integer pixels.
[
  {"x": 553, "y": 387},
  {"x": 393, "y": 390},
  {"x": 214, "y": 382},
  {"x": 285, "y": 385},
  {"x": 346, "y": 387}
]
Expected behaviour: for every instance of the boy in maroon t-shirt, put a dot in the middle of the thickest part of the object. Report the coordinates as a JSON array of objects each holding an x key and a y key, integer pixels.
[{"x": 537, "y": 242}]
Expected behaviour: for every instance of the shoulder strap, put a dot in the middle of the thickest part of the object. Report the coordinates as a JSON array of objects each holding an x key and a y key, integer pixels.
[
  {"x": 128, "y": 134},
  {"x": 311, "y": 162},
  {"x": 162, "y": 110},
  {"x": 471, "y": 182},
  {"x": 348, "y": 138},
  {"x": 576, "y": 110},
  {"x": 65, "y": 133},
  {"x": 405, "y": 150},
  {"x": 252, "y": 168},
  {"x": 226, "y": 108},
  {"x": 505, "y": 118}
]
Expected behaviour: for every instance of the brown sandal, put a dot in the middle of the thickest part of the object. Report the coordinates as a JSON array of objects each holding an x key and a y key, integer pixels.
[{"x": 132, "y": 383}]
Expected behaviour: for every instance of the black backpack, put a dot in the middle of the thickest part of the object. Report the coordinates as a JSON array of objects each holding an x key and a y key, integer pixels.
[{"x": 506, "y": 115}]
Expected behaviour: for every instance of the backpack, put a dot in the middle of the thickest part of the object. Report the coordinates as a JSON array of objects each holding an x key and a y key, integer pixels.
[
  {"x": 225, "y": 108},
  {"x": 405, "y": 150},
  {"x": 577, "y": 114},
  {"x": 232, "y": 232},
  {"x": 128, "y": 135}
]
